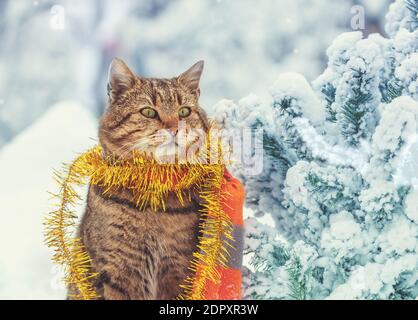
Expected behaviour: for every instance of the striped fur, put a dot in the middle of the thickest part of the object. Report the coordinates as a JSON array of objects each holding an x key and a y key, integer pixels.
[{"x": 141, "y": 254}]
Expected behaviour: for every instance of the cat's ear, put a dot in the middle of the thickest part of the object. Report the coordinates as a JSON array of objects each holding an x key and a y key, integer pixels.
[
  {"x": 191, "y": 77},
  {"x": 120, "y": 78}
]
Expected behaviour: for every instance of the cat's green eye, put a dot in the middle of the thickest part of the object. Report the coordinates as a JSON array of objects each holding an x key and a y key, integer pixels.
[
  {"x": 149, "y": 112},
  {"x": 184, "y": 112}
]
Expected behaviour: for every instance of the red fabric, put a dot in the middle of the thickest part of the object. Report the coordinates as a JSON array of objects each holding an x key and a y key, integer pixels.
[
  {"x": 229, "y": 287},
  {"x": 235, "y": 198}
]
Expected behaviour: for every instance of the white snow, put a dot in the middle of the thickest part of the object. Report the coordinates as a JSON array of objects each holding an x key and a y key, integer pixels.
[
  {"x": 408, "y": 72},
  {"x": 291, "y": 84},
  {"x": 340, "y": 47},
  {"x": 411, "y": 205},
  {"x": 295, "y": 182},
  {"x": 26, "y": 167},
  {"x": 399, "y": 122},
  {"x": 343, "y": 226},
  {"x": 374, "y": 279},
  {"x": 334, "y": 154},
  {"x": 400, "y": 236},
  {"x": 342, "y": 237},
  {"x": 363, "y": 279}
]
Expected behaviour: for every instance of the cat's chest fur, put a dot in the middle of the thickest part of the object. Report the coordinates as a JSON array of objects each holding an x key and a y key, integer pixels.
[{"x": 142, "y": 254}]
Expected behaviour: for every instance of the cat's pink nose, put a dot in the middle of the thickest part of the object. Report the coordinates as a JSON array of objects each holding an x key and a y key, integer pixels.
[
  {"x": 173, "y": 130},
  {"x": 172, "y": 125}
]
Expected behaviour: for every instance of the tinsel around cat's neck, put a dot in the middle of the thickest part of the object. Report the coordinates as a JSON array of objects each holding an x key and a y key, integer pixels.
[{"x": 150, "y": 182}]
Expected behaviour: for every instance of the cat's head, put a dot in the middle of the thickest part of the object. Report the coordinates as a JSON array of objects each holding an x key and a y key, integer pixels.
[{"x": 151, "y": 115}]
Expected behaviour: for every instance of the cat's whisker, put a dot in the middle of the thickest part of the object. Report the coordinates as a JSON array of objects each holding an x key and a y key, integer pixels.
[
  {"x": 122, "y": 148},
  {"x": 141, "y": 143},
  {"x": 107, "y": 131}
]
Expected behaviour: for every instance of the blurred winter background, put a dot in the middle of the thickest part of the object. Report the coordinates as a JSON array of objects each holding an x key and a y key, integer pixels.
[{"x": 54, "y": 57}]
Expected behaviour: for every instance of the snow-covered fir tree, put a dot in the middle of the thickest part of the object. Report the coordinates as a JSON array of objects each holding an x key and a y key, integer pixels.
[{"x": 340, "y": 172}]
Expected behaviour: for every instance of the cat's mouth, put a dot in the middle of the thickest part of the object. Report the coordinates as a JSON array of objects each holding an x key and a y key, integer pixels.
[
  {"x": 173, "y": 150},
  {"x": 165, "y": 147}
]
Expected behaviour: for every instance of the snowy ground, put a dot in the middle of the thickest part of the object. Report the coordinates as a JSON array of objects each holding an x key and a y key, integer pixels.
[{"x": 26, "y": 164}]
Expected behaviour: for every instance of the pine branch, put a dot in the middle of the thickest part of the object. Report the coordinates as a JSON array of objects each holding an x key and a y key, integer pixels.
[
  {"x": 297, "y": 280},
  {"x": 279, "y": 256},
  {"x": 277, "y": 151},
  {"x": 353, "y": 111},
  {"x": 287, "y": 106},
  {"x": 329, "y": 92},
  {"x": 412, "y": 6},
  {"x": 391, "y": 89}
]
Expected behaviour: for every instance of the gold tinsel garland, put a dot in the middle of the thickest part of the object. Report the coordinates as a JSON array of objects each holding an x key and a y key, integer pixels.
[{"x": 150, "y": 183}]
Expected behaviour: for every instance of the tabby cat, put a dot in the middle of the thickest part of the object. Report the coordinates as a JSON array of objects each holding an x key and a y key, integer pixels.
[{"x": 142, "y": 254}]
